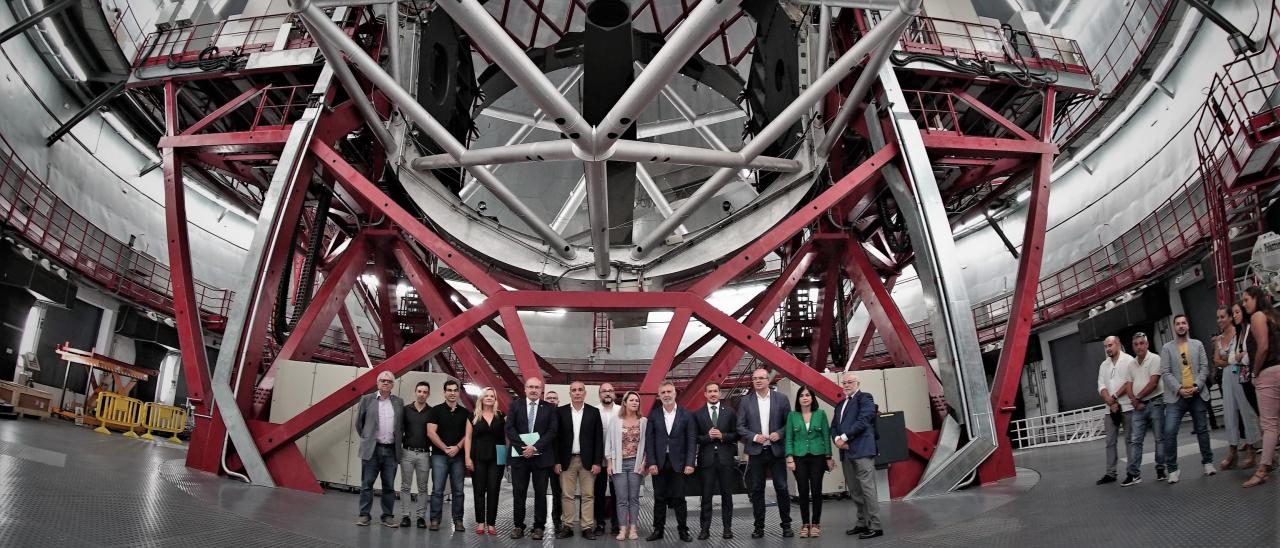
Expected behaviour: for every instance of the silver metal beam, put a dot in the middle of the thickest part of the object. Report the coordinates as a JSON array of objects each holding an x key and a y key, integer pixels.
[
  {"x": 659, "y": 200},
  {"x": 824, "y": 39},
  {"x": 881, "y": 5},
  {"x": 597, "y": 178},
  {"x": 540, "y": 115},
  {"x": 393, "y": 39},
  {"x": 888, "y": 30},
  {"x": 325, "y": 30},
  {"x": 642, "y": 151},
  {"x": 348, "y": 80},
  {"x": 510, "y": 154},
  {"x": 960, "y": 365},
  {"x": 687, "y": 113},
  {"x": 489, "y": 36},
  {"x": 853, "y": 102},
  {"x": 680, "y": 46},
  {"x": 571, "y": 205},
  {"x": 644, "y": 131},
  {"x": 336, "y": 3}
]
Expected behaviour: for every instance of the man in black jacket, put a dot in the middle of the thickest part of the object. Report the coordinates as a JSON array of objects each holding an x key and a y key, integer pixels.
[
  {"x": 669, "y": 447},
  {"x": 581, "y": 455},
  {"x": 716, "y": 425},
  {"x": 533, "y": 462}
]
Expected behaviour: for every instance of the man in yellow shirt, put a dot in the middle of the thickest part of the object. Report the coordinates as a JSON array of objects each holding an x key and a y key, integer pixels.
[{"x": 1184, "y": 371}]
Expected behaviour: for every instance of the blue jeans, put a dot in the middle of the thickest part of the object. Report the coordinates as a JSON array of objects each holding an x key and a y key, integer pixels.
[
  {"x": 382, "y": 464},
  {"x": 442, "y": 464},
  {"x": 1152, "y": 415},
  {"x": 1173, "y": 412}
]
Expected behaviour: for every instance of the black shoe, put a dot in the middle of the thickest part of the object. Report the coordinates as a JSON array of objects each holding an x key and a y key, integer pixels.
[
  {"x": 727, "y": 534},
  {"x": 1161, "y": 475},
  {"x": 656, "y": 535},
  {"x": 589, "y": 534},
  {"x": 517, "y": 533},
  {"x": 685, "y": 536},
  {"x": 857, "y": 530},
  {"x": 404, "y": 521},
  {"x": 564, "y": 532},
  {"x": 1109, "y": 478},
  {"x": 1130, "y": 479},
  {"x": 787, "y": 532},
  {"x": 422, "y": 523},
  {"x": 704, "y": 534},
  {"x": 599, "y": 529},
  {"x": 758, "y": 533},
  {"x": 435, "y": 525},
  {"x": 615, "y": 529},
  {"x": 459, "y": 527},
  {"x": 537, "y": 533},
  {"x": 872, "y": 534}
]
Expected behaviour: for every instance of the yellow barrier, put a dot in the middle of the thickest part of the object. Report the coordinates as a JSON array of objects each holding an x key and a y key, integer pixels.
[
  {"x": 120, "y": 411},
  {"x": 164, "y": 418}
]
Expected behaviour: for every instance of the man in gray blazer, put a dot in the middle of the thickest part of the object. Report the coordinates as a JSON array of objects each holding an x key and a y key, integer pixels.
[
  {"x": 762, "y": 419},
  {"x": 379, "y": 419},
  {"x": 1184, "y": 371}
]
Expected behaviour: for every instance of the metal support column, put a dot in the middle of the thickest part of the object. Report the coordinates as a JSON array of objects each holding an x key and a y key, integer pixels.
[{"x": 31, "y": 20}]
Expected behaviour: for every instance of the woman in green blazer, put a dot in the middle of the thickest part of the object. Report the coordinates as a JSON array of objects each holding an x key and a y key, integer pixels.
[{"x": 808, "y": 457}]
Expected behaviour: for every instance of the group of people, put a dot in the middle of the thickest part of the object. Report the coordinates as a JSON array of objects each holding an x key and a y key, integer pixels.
[
  {"x": 580, "y": 452},
  {"x": 1153, "y": 392}
]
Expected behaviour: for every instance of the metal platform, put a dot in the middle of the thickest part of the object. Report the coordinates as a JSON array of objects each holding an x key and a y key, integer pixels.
[{"x": 67, "y": 486}]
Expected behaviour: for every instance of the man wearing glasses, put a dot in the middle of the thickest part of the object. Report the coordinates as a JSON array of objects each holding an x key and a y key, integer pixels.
[
  {"x": 1184, "y": 370},
  {"x": 853, "y": 428},
  {"x": 762, "y": 421},
  {"x": 378, "y": 421}
]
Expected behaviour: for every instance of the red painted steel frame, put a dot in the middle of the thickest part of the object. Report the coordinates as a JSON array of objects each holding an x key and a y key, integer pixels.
[
  {"x": 186, "y": 310},
  {"x": 1004, "y": 387}
]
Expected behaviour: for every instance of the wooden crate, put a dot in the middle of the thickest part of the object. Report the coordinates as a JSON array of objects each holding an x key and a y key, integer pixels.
[{"x": 27, "y": 402}]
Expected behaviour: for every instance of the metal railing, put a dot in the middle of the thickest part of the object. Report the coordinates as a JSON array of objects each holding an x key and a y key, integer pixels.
[
  {"x": 1060, "y": 428},
  {"x": 981, "y": 42},
  {"x": 209, "y": 41},
  {"x": 1117, "y": 64},
  {"x": 1241, "y": 112},
  {"x": 30, "y": 208},
  {"x": 1160, "y": 240}
]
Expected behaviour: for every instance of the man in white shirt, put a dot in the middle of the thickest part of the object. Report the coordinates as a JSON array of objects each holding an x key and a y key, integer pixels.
[
  {"x": 1148, "y": 409},
  {"x": 1115, "y": 378},
  {"x": 580, "y": 458},
  {"x": 762, "y": 421}
]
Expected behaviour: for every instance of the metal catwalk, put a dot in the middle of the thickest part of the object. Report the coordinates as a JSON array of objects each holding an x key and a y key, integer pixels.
[{"x": 67, "y": 486}]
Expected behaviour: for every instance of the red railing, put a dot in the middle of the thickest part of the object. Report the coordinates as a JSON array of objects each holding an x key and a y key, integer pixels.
[
  {"x": 232, "y": 36},
  {"x": 936, "y": 113},
  {"x": 1241, "y": 112},
  {"x": 31, "y": 208},
  {"x": 977, "y": 41},
  {"x": 1117, "y": 63},
  {"x": 1157, "y": 242},
  {"x": 280, "y": 106}
]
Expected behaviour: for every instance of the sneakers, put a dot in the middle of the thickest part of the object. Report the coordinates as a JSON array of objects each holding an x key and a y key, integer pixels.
[
  {"x": 390, "y": 521},
  {"x": 1160, "y": 475},
  {"x": 1130, "y": 479},
  {"x": 404, "y": 521},
  {"x": 1174, "y": 476},
  {"x": 363, "y": 521},
  {"x": 1109, "y": 478},
  {"x": 1209, "y": 470}
]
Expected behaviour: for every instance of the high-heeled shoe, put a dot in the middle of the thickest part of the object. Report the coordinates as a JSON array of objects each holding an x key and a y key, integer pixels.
[
  {"x": 493, "y": 531},
  {"x": 479, "y": 528},
  {"x": 815, "y": 530},
  {"x": 634, "y": 534},
  {"x": 1259, "y": 478},
  {"x": 1229, "y": 462},
  {"x": 622, "y": 534}
]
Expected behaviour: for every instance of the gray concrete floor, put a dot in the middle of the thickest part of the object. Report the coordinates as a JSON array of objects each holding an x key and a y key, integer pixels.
[{"x": 61, "y": 485}]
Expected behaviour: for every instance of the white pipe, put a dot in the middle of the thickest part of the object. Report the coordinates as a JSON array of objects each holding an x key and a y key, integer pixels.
[
  {"x": 853, "y": 102},
  {"x": 642, "y": 151},
  {"x": 886, "y": 31},
  {"x": 511, "y": 154},
  {"x": 571, "y": 205},
  {"x": 659, "y": 201},
  {"x": 597, "y": 185}
]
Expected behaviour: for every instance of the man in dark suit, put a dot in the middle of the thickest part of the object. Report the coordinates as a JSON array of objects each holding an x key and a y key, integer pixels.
[
  {"x": 669, "y": 447},
  {"x": 762, "y": 420},
  {"x": 531, "y": 462},
  {"x": 581, "y": 455},
  {"x": 716, "y": 426},
  {"x": 853, "y": 427}
]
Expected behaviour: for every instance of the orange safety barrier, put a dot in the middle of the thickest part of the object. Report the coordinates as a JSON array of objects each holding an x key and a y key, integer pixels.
[
  {"x": 164, "y": 418},
  {"x": 120, "y": 411}
]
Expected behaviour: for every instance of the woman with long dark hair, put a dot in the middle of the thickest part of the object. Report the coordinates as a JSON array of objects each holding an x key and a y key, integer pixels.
[
  {"x": 808, "y": 457},
  {"x": 488, "y": 436},
  {"x": 1264, "y": 330},
  {"x": 1235, "y": 408}
]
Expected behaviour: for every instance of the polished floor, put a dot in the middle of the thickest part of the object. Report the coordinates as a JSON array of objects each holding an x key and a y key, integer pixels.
[{"x": 66, "y": 486}]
